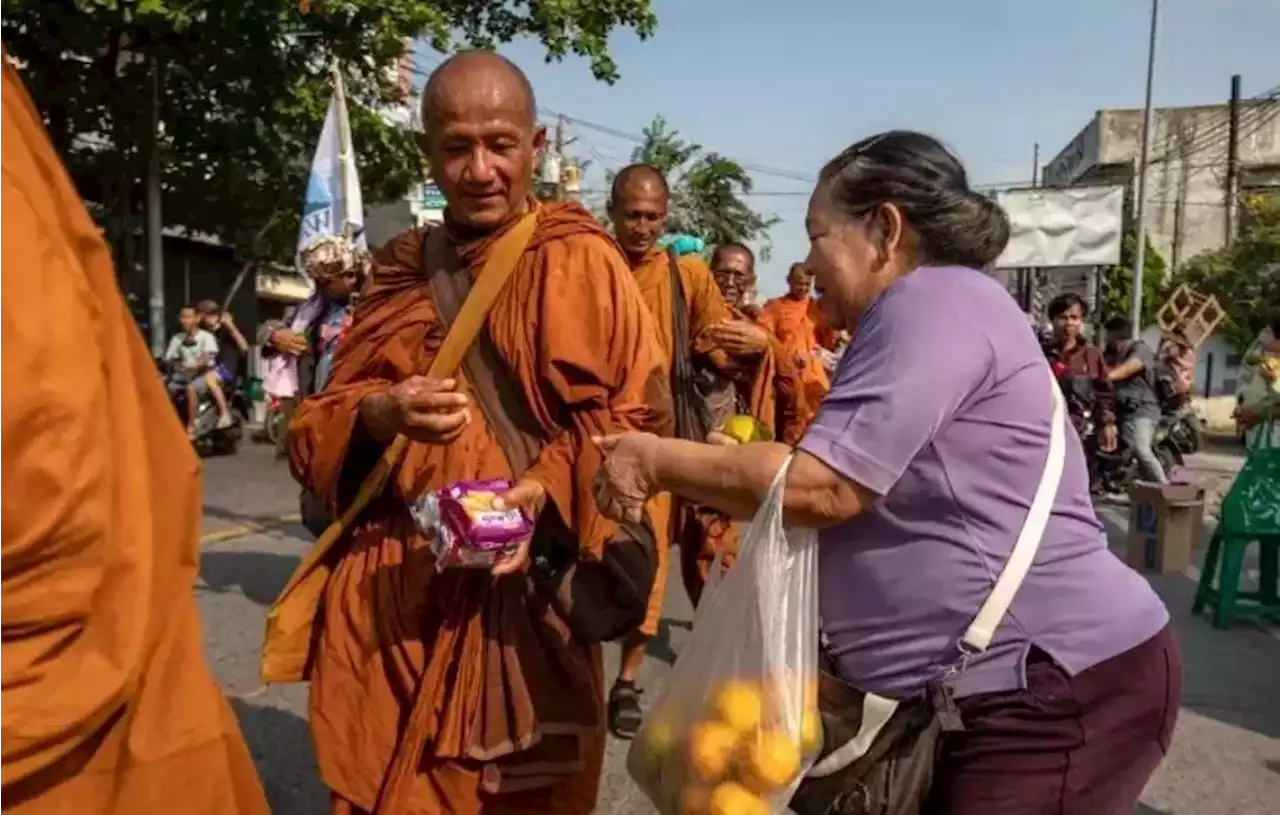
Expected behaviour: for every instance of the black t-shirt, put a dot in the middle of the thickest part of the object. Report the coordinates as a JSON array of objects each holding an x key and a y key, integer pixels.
[{"x": 230, "y": 356}]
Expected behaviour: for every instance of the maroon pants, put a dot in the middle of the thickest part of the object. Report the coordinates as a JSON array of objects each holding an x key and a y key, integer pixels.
[{"x": 1082, "y": 745}]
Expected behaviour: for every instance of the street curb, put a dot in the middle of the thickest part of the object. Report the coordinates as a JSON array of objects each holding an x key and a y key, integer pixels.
[{"x": 241, "y": 530}]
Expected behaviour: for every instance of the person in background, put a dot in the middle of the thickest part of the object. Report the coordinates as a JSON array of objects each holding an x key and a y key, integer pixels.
[
  {"x": 1131, "y": 368},
  {"x": 232, "y": 346},
  {"x": 300, "y": 349},
  {"x": 108, "y": 703},
  {"x": 706, "y": 348},
  {"x": 918, "y": 473},
  {"x": 797, "y": 322},
  {"x": 1078, "y": 366},
  {"x": 1176, "y": 361},
  {"x": 194, "y": 352}
]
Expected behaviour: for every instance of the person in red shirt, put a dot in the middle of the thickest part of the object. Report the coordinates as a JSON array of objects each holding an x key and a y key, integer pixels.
[{"x": 1081, "y": 372}]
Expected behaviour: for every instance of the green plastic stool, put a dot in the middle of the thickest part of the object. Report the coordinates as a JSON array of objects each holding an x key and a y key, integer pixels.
[
  {"x": 1250, "y": 512},
  {"x": 1225, "y": 561}
]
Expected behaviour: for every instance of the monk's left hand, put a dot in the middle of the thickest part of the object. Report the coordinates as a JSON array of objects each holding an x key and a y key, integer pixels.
[
  {"x": 628, "y": 477},
  {"x": 530, "y": 496},
  {"x": 740, "y": 338}
]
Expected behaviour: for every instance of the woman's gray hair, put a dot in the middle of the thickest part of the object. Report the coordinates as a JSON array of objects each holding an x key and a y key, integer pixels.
[{"x": 916, "y": 173}]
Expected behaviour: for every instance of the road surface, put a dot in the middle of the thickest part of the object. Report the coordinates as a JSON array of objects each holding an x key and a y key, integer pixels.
[{"x": 1225, "y": 759}]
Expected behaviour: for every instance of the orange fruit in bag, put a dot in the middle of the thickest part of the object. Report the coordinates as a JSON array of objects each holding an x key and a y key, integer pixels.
[
  {"x": 735, "y": 799},
  {"x": 711, "y": 749},
  {"x": 659, "y": 739},
  {"x": 740, "y": 706},
  {"x": 810, "y": 730},
  {"x": 773, "y": 760}
]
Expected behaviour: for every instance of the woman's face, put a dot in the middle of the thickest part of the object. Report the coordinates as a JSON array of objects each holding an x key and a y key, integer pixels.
[{"x": 850, "y": 264}]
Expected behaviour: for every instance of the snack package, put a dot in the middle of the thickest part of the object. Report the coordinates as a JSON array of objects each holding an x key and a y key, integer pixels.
[{"x": 464, "y": 529}]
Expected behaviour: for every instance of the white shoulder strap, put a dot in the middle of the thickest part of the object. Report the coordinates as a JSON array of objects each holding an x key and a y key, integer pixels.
[{"x": 978, "y": 636}]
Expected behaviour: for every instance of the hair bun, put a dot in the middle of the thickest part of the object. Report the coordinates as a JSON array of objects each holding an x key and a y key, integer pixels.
[{"x": 983, "y": 232}]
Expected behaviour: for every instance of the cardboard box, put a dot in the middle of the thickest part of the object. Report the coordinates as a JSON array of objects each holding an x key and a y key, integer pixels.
[{"x": 1165, "y": 524}]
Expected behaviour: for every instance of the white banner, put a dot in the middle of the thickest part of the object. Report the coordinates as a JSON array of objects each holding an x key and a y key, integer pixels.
[
  {"x": 1075, "y": 226},
  {"x": 330, "y": 204}
]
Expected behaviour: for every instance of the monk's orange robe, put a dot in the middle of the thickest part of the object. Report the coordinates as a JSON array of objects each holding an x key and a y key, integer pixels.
[
  {"x": 108, "y": 704},
  {"x": 508, "y": 706},
  {"x": 701, "y": 532},
  {"x": 800, "y": 327}
]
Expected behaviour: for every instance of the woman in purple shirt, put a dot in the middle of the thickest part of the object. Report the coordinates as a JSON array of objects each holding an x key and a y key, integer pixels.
[{"x": 920, "y": 469}]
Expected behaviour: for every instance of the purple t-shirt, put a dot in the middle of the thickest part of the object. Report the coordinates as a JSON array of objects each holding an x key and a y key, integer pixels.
[{"x": 941, "y": 406}]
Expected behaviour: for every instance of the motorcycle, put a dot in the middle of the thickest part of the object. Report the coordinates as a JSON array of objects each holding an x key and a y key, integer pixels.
[
  {"x": 1177, "y": 436},
  {"x": 210, "y": 439}
]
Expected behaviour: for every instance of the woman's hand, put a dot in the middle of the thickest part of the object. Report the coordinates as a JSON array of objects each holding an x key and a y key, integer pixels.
[
  {"x": 628, "y": 477},
  {"x": 530, "y": 496},
  {"x": 740, "y": 338},
  {"x": 287, "y": 341},
  {"x": 421, "y": 408}
]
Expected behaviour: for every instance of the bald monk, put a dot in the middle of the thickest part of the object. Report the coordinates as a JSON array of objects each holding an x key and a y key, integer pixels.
[
  {"x": 733, "y": 266},
  {"x": 462, "y": 691},
  {"x": 108, "y": 704},
  {"x": 797, "y": 322},
  {"x": 702, "y": 339}
]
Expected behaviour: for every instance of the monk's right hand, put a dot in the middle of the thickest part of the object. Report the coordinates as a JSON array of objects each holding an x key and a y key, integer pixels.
[{"x": 421, "y": 408}]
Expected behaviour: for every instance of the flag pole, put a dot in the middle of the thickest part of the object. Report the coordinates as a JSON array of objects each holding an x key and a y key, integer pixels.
[{"x": 344, "y": 138}]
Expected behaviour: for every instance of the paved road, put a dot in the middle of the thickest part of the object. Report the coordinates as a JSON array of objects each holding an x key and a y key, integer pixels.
[{"x": 1225, "y": 759}]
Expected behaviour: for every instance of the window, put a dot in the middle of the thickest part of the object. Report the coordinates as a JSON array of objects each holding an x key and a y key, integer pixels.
[{"x": 1233, "y": 360}]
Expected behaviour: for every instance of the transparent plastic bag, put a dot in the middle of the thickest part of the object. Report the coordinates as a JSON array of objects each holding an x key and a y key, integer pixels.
[{"x": 737, "y": 725}]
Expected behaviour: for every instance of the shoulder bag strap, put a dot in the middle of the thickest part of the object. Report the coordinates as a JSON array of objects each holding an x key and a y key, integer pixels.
[
  {"x": 470, "y": 317},
  {"x": 689, "y": 419},
  {"x": 518, "y": 432},
  {"x": 983, "y": 628}
]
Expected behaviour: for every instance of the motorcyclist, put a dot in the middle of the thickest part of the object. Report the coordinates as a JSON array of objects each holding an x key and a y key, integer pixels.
[
  {"x": 232, "y": 346},
  {"x": 1132, "y": 370},
  {"x": 191, "y": 354},
  {"x": 1080, "y": 370}
]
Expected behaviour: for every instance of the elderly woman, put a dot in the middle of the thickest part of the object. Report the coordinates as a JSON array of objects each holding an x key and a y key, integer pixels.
[{"x": 919, "y": 471}]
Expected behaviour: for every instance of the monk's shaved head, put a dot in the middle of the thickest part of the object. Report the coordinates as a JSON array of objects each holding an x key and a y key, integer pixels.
[
  {"x": 638, "y": 176},
  {"x": 469, "y": 77},
  {"x": 798, "y": 272},
  {"x": 481, "y": 137}
]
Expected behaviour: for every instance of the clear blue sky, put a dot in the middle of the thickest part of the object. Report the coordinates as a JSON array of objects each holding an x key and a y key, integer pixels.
[{"x": 788, "y": 84}]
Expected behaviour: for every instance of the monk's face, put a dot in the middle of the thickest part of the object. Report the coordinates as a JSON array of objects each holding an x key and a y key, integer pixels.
[
  {"x": 733, "y": 271},
  {"x": 482, "y": 144},
  {"x": 799, "y": 282},
  {"x": 639, "y": 215}
]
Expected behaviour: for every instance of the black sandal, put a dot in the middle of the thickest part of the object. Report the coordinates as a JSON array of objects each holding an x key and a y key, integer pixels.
[{"x": 624, "y": 709}]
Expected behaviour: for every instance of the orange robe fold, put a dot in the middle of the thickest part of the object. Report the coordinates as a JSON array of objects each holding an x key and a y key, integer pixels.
[
  {"x": 701, "y": 532},
  {"x": 515, "y": 716},
  {"x": 108, "y": 704},
  {"x": 800, "y": 328}
]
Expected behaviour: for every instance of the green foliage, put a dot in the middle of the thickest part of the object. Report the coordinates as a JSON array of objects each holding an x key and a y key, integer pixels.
[
  {"x": 244, "y": 85},
  {"x": 707, "y": 189},
  {"x": 1245, "y": 277},
  {"x": 1117, "y": 283}
]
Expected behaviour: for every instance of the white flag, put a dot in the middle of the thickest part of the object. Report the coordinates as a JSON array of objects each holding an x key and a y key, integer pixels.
[{"x": 331, "y": 205}]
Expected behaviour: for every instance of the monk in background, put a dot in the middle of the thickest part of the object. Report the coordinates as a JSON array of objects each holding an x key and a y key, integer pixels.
[
  {"x": 463, "y": 691},
  {"x": 707, "y": 348},
  {"x": 797, "y": 322},
  {"x": 733, "y": 266},
  {"x": 108, "y": 705}
]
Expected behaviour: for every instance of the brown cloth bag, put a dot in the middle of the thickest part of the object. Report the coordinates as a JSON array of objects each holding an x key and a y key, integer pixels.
[{"x": 599, "y": 600}]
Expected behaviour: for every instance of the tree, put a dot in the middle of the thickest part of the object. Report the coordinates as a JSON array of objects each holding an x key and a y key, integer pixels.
[
  {"x": 1245, "y": 277},
  {"x": 1117, "y": 283},
  {"x": 243, "y": 88},
  {"x": 707, "y": 189}
]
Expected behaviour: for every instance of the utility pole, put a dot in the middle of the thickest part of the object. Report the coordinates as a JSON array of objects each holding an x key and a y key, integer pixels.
[
  {"x": 559, "y": 146},
  {"x": 1231, "y": 190},
  {"x": 155, "y": 223},
  {"x": 1140, "y": 250}
]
